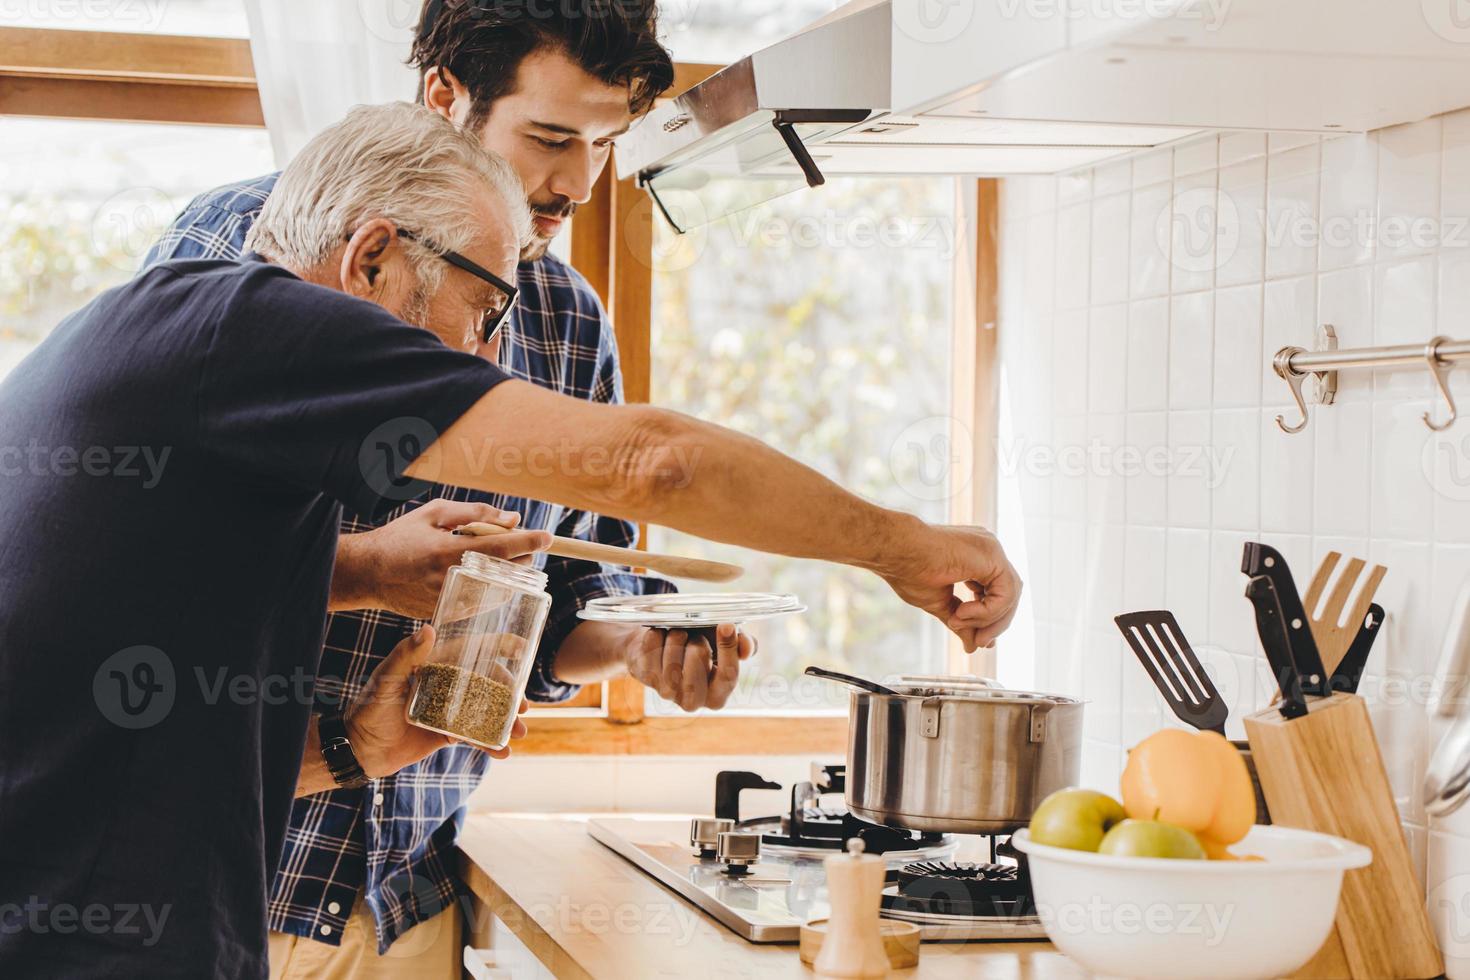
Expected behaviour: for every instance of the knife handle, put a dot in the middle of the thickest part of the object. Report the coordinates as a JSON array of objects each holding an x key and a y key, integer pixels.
[
  {"x": 1349, "y": 670},
  {"x": 1271, "y": 625},
  {"x": 1263, "y": 560}
]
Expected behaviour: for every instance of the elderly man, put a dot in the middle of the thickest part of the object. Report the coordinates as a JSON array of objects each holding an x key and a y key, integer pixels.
[
  {"x": 549, "y": 90},
  {"x": 283, "y": 387}
]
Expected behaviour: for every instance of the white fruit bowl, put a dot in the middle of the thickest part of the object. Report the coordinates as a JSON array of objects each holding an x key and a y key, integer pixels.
[{"x": 1181, "y": 919}]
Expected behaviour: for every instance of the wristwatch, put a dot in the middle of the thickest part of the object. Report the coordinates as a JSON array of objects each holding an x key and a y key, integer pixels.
[{"x": 338, "y": 754}]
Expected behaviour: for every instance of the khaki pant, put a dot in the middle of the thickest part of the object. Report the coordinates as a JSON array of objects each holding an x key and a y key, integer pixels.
[{"x": 431, "y": 950}]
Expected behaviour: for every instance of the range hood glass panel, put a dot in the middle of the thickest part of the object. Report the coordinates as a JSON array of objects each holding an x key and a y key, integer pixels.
[
  {"x": 717, "y": 197},
  {"x": 733, "y": 176}
]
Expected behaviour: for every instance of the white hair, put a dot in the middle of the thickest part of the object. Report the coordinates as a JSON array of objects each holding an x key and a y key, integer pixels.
[{"x": 396, "y": 161}]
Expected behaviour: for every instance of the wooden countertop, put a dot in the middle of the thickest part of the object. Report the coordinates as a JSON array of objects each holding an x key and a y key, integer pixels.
[{"x": 587, "y": 913}]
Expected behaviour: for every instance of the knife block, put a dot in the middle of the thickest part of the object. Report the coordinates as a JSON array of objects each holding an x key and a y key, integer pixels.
[{"x": 1323, "y": 772}]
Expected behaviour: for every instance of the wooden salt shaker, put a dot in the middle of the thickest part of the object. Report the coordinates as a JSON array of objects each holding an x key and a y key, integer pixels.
[{"x": 854, "y": 944}]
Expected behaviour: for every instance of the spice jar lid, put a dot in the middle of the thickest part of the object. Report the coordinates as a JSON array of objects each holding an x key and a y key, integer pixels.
[
  {"x": 691, "y": 609},
  {"x": 505, "y": 572}
]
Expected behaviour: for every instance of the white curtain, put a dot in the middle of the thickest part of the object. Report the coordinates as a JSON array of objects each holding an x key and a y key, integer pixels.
[{"x": 315, "y": 59}]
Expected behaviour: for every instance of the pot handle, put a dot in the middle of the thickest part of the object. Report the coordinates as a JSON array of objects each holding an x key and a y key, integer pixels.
[
  {"x": 1038, "y": 722},
  {"x": 929, "y": 717}
]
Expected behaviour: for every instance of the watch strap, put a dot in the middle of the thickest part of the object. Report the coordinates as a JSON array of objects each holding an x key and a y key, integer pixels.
[{"x": 337, "y": 752}]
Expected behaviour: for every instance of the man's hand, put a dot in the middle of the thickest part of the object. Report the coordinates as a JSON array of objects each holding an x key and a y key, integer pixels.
[
  {"x": 925, "y": 571},
  {"x": 377, "y": 723},
  {"x": 678, "y": 666},
  {"x": 401, "y": 565}
]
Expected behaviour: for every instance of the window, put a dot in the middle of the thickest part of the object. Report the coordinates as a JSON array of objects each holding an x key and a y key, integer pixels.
[
  {"x": 821, "y": 323},
  {"x": 83, "y": 222}
]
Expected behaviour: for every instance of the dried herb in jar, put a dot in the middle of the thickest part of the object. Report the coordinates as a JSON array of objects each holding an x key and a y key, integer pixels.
[{"x": 462, "y": 703}]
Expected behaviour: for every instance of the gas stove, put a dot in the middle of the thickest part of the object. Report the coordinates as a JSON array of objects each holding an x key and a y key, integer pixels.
[{"x": 763, "y": 877}]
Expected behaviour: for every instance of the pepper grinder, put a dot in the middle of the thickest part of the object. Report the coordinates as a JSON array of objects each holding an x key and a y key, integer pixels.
[{"x": 854, "y": 943}]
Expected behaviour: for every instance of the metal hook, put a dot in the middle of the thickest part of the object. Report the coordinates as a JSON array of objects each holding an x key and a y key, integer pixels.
[
  {"x": 1440, "y": 368},
  {"x": 1293, "y": 379}
]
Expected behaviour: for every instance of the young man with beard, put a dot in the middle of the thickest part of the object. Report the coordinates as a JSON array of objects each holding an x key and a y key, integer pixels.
[{"x": 548, "y": 87}]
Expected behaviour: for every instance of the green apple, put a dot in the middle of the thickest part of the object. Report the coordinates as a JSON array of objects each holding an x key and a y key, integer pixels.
[
  {"x": 1075, "y": 818},
  {"x": 1153, "y": 839}
]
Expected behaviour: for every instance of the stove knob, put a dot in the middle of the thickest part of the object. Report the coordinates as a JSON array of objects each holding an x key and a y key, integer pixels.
[
  {"x": 738, "y": 851},
  {"x": 704, "y": 834}
]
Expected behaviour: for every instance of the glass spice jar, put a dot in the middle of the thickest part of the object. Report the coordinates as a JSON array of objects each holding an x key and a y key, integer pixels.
[{"x": 486, "y": 630}]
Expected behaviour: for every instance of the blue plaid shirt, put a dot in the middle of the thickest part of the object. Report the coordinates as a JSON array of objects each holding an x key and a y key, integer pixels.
[{"x": 394, "y": 840}]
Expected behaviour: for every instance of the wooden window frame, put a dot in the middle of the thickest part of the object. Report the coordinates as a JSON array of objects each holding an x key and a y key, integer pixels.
[
  {"x": 154, "y": 78},
  {"x": 105, "y": 76}
]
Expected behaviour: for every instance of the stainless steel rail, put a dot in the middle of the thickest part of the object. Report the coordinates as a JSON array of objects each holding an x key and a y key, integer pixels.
[
  {"x": 1311, "y": 362},
  {"x": 1294, "y": 364}
]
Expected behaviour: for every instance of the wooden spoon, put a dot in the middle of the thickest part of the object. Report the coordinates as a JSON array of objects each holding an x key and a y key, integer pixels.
[
  {"x": 1333, "y": 633},
  {"x": 674, "y": 566}
]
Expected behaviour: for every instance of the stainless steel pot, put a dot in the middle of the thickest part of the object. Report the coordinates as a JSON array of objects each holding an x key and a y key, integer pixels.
[{"x": 958, "y": 754}]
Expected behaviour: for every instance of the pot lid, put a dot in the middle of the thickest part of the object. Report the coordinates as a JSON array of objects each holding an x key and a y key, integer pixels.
[
  {"x": 691, "y": 609},
  {"x": 970, "y": 687}
]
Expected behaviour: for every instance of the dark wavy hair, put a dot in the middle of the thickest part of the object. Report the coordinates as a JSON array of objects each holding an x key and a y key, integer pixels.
[{"x": 483, "y": 42}]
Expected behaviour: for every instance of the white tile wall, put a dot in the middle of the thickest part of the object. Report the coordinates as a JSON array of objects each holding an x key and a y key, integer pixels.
[{"x": 1158, "y": 289}]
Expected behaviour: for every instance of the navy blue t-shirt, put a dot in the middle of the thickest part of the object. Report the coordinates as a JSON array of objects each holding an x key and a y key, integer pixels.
[{"x": 173, "y": 463}]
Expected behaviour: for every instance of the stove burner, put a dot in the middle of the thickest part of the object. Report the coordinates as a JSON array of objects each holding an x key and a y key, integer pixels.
[
  {"x": 832, "y": 834},
  {"x": 816, "y": 822},
  {"x": 960, "y": 889},
  {"x": 967, "y": 883},
  {"x": 810, "y": 824}
]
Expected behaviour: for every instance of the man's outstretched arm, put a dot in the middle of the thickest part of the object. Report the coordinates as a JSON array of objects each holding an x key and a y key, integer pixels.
[{"x": 650, "y": 464}]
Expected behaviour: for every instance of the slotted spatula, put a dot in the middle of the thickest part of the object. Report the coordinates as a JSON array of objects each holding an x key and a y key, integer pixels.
[
  {"x": 1158, "y": 641},
  {"x": 1334, "y": 632}
]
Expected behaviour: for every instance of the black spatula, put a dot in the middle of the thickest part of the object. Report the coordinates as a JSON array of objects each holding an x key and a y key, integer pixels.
[{"x": 1158, "y": 641}]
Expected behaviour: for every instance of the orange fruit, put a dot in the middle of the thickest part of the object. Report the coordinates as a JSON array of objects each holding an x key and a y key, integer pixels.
[{"x": 1196, "y": 780}]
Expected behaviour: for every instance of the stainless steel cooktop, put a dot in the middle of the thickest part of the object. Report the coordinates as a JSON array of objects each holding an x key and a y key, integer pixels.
[{"x": 772, "y": 890}]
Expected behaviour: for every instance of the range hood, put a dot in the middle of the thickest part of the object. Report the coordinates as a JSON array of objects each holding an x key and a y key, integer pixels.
[{"x": 1014, "y": 87}]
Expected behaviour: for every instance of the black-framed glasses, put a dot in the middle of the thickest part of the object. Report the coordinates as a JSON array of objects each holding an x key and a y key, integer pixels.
[{"x": 494, "y": 319}]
